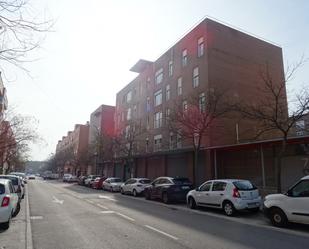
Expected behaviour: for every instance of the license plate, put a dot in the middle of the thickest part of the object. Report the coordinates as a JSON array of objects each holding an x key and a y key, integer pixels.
[{"x": 185, "y": 187}]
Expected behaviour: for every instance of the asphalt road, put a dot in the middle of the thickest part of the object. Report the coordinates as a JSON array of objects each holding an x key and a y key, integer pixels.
[{"x": 66, "y": 216}]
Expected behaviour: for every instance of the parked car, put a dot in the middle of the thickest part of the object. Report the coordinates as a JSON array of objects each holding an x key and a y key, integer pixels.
[
  {"x": 17, "y": 184},
  {"x": 21, "y": 174},
  {"x": 168, "y": 189},
  {"x": 293, "y": 206},
  {"x": 134, "y": 186},
  {"x": 230, "y": 195},
  {"x": 9, "y": 203},
  {"x": 81, "y": 180},
  {"x": 112, "y": 184},
  {"x": 97, "y": 183},
  {"x": 31, "y": 177},
  {"x": 72, "y": 178},
  {"x": 90, "y": 179},
  {"x": 66, "y": 177}
]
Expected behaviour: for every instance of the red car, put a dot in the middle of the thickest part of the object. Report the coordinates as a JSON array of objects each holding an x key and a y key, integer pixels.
[{"x": 97, "y": 183}]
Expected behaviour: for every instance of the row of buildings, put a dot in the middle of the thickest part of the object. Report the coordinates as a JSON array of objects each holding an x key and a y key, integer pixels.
[{"x": 211, "y": 56}]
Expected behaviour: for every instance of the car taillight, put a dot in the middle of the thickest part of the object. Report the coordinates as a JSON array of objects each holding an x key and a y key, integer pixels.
[
  {"x": 5, "y": 201},
  {"x": 236, "y": 193}
]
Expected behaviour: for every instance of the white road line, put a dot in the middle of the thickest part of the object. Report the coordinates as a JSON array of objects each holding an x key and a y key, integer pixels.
[
  {"x": 101, "y": 206},
  {"x": 107, "y": 212},
  {"x": 90, "y": 201},
  {"x": 36, "y": 217},
  {"x": 29, "y": 242},
  {"x": 106, "y": 197},
  {"x": 57, "y": 201},
  {"x": 161, "y": 232},
  {"x": 125, "y": 216}
]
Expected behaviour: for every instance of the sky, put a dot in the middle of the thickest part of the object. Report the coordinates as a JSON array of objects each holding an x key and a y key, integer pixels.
[{"x": 85, "y": 60}]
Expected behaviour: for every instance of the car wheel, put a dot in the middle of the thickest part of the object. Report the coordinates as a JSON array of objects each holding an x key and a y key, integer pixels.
[
  {"x": 278, "y": 217},
  {"x": 17, "y": 210},
  {"x": 192, "y": 203},
  {"x": 134, "y": 193},
  {"x": 165, "y": 198},
  {"x": 6, "y": 225},
  {"x": 228, "y": 208}
]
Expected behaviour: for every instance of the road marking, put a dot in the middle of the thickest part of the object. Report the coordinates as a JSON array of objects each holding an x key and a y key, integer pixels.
[
  {"x": 29, "y": 242},
  {"x": 57, "y": 200},
  {"x": 90, "y": 201},
  {"x": 106, "y": 197},
  {"x": 161, "y": 232},
  {"x": 125, "y": 216},
  {"x": 101, "y": 206},
  {"x": 36, "y": 217},
  {"x": 107, "y": 212}
]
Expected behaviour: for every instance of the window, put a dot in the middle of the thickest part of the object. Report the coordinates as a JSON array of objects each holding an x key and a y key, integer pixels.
[
  {"x": 167, "y": 113},
  {"x": 147, "y": 82},
  {"x": 202, "y": 102},
  {"x": 178, "y": 142},
  {"x": 129, "y": 114},
  {"x": 200, "y": 47},
  {"x": 159, "y": 76},
  {"x": 218, "y": 186},
  {"x": 135, "y": 110},
  {"x": 147, "y": 145},
  {"x": 157, "y": 142},
  {"x": 185, "y": 106},
  {"x": 129, "y": 96},
  {"x": 122, "y": 116},
  {"x": 157, "y": 120},
  {"x": 170, "y": 68},
  {"x": 148, "y": 104},
  {"x": 184, "y": 57},
  {"x": 158, "y": 98},
  {"x": 179, "y": 86},
  {"x": 301, "y": 189},
  {"x": 300, "y": 127},
  {"x": 127, "y": 131},
  {"x": 205, "y": 187},
  {"x": 195, "y": 77},
  {"x": 147, "y": 123},
  {"x": 168, "y": 92},
  {"x": 172, "y": 142}
]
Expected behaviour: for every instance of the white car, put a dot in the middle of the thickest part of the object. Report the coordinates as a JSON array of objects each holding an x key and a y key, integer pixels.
[
  {"x": 9, "y": 203},
  {"x": 112, "y": 184},
  {"x": 18, "y": 184},
  {"x": 66, "y": 177},
  {"x": 292, "y": 206},
  {"x": 230, "y": 195},
  {"x": 134, "y": 186}
]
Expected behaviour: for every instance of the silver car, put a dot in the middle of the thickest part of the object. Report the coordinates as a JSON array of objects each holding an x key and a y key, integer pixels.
[{"x": 230, "y": 195}]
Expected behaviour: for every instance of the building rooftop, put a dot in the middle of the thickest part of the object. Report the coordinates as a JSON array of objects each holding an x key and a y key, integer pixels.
[{"x": 140, "y": 66}]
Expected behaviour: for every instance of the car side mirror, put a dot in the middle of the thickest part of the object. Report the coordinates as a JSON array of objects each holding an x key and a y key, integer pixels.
[{"x": 289, "y": 193}]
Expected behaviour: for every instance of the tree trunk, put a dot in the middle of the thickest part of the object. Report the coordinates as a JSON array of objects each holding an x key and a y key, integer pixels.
[{"x": 195, "y": 166}]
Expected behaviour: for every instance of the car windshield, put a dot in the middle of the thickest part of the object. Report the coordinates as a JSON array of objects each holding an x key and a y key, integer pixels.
[
  {"x": 244, "y": 185},
  {"x": 181, "y": 181},
  {"x": 116, "y": 180},
  {"x": 2, "y": 189},
  {"x": 145, "y": 181}
]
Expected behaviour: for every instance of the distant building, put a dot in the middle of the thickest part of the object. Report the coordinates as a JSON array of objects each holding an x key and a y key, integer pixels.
[
  {"x": 101, "y": 126},
  {"x": 72, "y": 150}
]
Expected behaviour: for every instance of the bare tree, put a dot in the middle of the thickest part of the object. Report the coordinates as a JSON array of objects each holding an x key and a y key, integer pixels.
[
  {"x": 17, "y": 132},
  {"x": 126, "y": 143},
  {"x": 271, "y": 113},
  {"x": 193, "y": 117},
  {"x": 20, "y": 33}
]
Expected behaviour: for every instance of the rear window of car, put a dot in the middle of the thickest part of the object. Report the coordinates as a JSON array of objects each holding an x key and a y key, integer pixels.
[
  {"x": 244, "y": 185},
  {"x": 14, "y": 180},
  {"x": 144, "y": 181},
  {"x": 116, "y": 180},
  {"x": 2, "y": 189},
  {"x": 181, "y": 181}
]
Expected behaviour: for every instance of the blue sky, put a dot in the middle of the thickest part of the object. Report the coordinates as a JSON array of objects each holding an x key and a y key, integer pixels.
[{"x": 85, "y": 61}]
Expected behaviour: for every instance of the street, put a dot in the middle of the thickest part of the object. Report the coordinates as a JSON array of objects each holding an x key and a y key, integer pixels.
[{"x": 71, "y": 216}]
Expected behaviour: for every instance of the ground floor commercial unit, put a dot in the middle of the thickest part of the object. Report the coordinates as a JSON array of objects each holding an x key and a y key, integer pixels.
[{"x": 253, "y": 161}]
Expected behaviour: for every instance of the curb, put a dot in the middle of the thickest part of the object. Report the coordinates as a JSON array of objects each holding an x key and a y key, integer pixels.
[{"x": 29, "y": 243}]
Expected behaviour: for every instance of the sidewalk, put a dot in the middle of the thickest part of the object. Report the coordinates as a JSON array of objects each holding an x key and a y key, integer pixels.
[{"x": 15, "y": 236}]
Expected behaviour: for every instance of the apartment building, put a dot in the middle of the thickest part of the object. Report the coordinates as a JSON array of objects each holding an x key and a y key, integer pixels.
[
  {"x": 3, "y": 98},
  {"x": 72, "y": 150},
  {"x": 101, "y": 128},
  {"x": 210, "y": 56}
]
